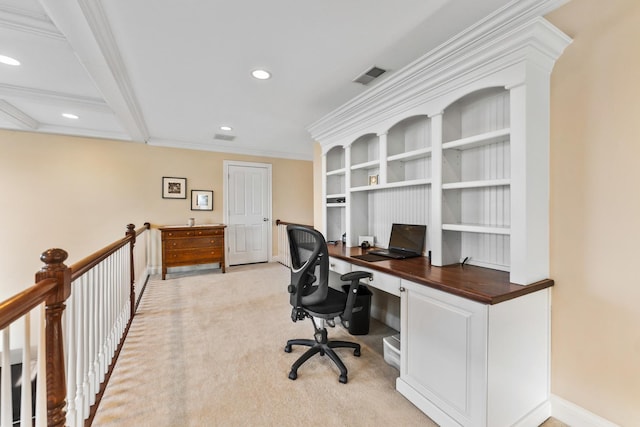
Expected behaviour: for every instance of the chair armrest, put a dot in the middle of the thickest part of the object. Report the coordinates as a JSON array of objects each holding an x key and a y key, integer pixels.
[{"x": 355, "y": 275}]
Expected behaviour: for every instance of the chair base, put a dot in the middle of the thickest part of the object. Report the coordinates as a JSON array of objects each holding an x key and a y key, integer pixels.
[{"x": 323, "y": 347}]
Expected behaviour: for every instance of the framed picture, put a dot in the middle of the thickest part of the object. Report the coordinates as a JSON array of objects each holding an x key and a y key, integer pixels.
[
  {"x": 373, "y": 179},
  {"x": 201, "y": 200},
  {"x": 174, "y": 188}
]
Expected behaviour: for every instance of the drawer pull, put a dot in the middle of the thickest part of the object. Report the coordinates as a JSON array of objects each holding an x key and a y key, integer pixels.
[{"x": 402, "y": 289}]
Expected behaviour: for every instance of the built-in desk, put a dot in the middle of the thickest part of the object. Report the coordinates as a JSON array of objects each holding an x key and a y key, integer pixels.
[
  {"x": 475, "y": 283},
  {"x": 474, "y": 347}
]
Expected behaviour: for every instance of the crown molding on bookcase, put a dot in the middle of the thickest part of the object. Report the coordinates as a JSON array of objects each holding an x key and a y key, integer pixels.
[{"x": 511, "y": 35}]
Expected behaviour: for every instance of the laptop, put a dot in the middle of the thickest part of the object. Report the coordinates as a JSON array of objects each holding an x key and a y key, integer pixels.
[{"x": 406, "y": 241}]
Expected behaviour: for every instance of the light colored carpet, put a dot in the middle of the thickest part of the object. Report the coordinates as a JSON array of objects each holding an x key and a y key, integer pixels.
[{"x": 208, "y": 350}]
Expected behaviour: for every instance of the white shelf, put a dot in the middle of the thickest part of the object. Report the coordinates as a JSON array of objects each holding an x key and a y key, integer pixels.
[
  {"x": 341, "y": 171},
  {"x": 410, "y": 155},
  {"x": 477, "y": 140},
  {"x": 367, "y": 165},
  {"x": 336, "y": 205},
  {"x": 477, "y": 184},
  {"x": 475, "y": 228},
  {"x": 399, "y": 184},
  {"x": 336, "y": 196}
]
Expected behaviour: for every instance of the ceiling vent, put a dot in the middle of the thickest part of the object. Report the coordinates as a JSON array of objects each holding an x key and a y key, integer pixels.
[
  {"x": 223, "y": 137},
  {"x": 369, "y": 75}
]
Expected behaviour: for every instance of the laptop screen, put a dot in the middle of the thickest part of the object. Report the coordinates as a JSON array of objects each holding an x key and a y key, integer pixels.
[{"x": 407, "y": 237}]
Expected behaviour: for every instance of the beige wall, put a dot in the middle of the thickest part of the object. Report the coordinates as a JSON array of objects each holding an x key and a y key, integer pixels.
[
  {"x": 595, "y": 209},
  {"x": 79, "y": 193}
]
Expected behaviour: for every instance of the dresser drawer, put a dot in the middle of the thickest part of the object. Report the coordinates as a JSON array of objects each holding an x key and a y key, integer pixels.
[
  {"x": 195, "y": 242},
  {"x": 193, "y": 232},
  {"x": 208, "y": 232},
  {"x": 176, "y": 257}
]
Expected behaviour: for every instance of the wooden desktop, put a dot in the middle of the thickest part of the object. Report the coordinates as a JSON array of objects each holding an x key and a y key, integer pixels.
[{"x": 479, "y": 284}]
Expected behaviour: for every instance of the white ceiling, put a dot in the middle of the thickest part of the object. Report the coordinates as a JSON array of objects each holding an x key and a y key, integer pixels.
[{"x": 171, "y": 72}]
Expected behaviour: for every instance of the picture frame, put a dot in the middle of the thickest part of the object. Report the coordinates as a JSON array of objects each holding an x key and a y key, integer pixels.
[
  {"x": 373, "y": 179},
  {"x": 174, "y": 188},
  {"x": 201, "y": 200}
]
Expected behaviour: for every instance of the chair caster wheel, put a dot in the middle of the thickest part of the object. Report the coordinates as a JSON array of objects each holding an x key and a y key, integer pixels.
[
  {"x": 287, "y": 348},
  {"x": 343, "y": 379},
  {"x": 293, "y": 375},
  {"x": 356, "y": 352}
]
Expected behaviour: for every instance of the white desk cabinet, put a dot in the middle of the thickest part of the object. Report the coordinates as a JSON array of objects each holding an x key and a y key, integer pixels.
[{"x": 465, "y": 363}]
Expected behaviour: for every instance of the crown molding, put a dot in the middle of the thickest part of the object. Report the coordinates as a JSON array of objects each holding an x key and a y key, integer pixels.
[
  {"x": 507, "y": 37},
  {"x": 207, "y": 146},
  {"x": 82, "y": 132},
  {"x": 17, "y": 116}
]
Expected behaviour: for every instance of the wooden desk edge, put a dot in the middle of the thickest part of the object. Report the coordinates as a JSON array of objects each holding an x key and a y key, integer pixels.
[{"x": 503, "y": 289}]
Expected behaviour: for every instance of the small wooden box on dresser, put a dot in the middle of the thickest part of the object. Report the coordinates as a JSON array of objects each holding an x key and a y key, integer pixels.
[{"x": 184, "y": 245}]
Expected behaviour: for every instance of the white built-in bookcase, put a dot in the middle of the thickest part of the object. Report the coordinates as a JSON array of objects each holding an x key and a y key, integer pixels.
[{"x": 459, "y": 141}]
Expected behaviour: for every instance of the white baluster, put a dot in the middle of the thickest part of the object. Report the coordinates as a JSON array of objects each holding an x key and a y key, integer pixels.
[
  {"x": 100, "y": 305},
  {"x": 25, "y": 397},
  {"x": 92, "y": 335},
  {"x": 6, "y": 403},
  {"x": 70, "y": 322},
  {"x": 78, "y": 399}
]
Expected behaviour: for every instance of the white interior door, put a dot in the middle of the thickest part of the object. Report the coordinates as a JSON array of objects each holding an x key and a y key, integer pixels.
[{"x": 248, "y": 212}]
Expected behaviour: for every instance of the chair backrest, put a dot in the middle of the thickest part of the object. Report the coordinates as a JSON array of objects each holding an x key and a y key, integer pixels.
[{"x": 309, "y": 266}]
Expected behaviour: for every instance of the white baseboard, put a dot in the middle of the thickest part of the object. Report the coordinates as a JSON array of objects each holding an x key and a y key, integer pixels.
[
  {"x": 574, "y": 415},
  {"x": 537, "y": 416}
]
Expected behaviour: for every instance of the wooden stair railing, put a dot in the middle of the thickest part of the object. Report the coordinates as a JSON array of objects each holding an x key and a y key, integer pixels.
[{"x": 54, "y": 286}]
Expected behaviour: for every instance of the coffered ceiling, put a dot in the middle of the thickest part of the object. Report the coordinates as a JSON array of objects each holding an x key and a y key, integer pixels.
[{"x": 171, "y": 73}]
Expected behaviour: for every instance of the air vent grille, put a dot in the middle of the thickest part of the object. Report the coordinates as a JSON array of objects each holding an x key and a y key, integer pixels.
[
  {"x": 369, "y": 75},
  {"x": 223, "y": 137}
]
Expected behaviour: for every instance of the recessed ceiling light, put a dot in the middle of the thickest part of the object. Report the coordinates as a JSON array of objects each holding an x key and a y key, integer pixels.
[
  {"x": 9, "y": 60},
  {"x": 70, "y": 116},
  {"x": 227, "y": 128},
  {"x": 261, "y": 74}
]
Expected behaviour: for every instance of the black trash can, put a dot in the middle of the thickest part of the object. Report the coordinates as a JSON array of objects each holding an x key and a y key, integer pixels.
[{"x": 359, "y": 324}]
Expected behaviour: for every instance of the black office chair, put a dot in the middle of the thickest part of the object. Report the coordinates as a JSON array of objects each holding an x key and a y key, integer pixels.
[{"x": 312, "y": 297}]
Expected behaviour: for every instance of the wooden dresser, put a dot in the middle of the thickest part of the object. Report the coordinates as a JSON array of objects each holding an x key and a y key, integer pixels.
[{"x": 184, "y": 245}]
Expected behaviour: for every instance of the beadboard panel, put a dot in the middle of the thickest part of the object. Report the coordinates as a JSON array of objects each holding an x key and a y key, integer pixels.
[{"x": 408, "y": 205}]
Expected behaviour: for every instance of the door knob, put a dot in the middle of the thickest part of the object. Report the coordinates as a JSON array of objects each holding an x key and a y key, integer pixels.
[{"x": 265, "y": 219}]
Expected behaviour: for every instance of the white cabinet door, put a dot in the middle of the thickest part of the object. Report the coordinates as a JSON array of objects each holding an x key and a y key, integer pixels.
[{"x": 444, "y": 355}]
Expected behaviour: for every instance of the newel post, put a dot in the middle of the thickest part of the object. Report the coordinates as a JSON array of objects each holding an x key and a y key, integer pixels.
[
  {"x": 131, "y": 232},
  {"x": 55, "y": 268}
]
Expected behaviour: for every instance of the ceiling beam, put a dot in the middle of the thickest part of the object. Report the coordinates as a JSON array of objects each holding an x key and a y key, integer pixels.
[
  {"x": 85, "y": 25},
  {"x": 28, "y": 22},
  {"x": 17, "y": 117},
  {"x": 54, "y": 98}
]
